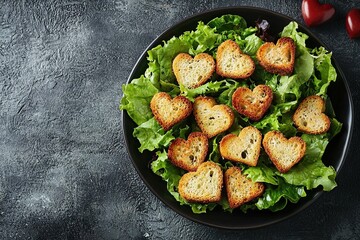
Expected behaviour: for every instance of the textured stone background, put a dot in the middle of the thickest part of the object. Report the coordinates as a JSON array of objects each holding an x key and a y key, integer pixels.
[{"x": 64, "y": 170}]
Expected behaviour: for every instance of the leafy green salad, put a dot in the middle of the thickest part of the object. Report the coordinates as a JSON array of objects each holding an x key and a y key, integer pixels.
[{"x": 313, "y": 72}]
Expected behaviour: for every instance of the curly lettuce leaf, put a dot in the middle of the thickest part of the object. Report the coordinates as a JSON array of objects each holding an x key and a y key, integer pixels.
[
  {"x": 225, "y": 96},
  {"x": 152, "y": 136},
  {"x": 311, "y": 173},
  {"x": 325, "y": 72},
  {"x": 228, "y": 22},
  {"x": 204, "y": 39},
  {"x": 171, "y": 88},
  {"x": 168, "y": 172},
  {"x": 207, "y": 88},
  {"x": 311, "y": 63},
  {"x": 232, "y": 27},
  {"x": 335, "y": 128},
  {"x": 223, "y": 88},
  {"x": 299, "y": 37},
  {"x": 136, "y": 99},
  {"x": 279, "y": 118},
  {"x": 275, "y": 198},
  {"x": 287, "y": 89},
  {"x": 214, "y": 151},
  {"x": 262, "y": 173},
  {"x": 252, "y": 44},
  {"x": 269, "y": 121}
]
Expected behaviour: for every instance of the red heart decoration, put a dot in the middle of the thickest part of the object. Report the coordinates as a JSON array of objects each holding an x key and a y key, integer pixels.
[
  {"x": 315, "y": 13},
  {"x": 353, "y": 23}
]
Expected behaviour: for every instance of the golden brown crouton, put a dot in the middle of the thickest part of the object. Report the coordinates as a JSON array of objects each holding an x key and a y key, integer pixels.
[
  {"x": 239, "y": 188},
  {"x": 212, "y": 118},
  {"x": 232, "y": 63},
  {"x": 309, "y": 117},
  {"x": 204, "y": 185},
  {"x": 189, "y": 154},
  {"x": 252, "y": 104},
  {"x": 193, "y": 72},
  {"x": 283, "y": 152},
  {"x": 168, "y": 111},
  {"x": 279, "y": 58},
  {"x": 244, "y": 148}
]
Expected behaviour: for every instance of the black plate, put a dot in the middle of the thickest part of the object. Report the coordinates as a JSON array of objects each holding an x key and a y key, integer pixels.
[{"x": 335, "y": 153}]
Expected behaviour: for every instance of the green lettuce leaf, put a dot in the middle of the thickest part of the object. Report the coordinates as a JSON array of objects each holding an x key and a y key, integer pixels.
[
  {"x": 269, "y": 121},
  {"x": 152, "y": 136},
  {"x": 304, "y": 66},
  {"x": 136, "y": 99},
  {"x": 325, "y": 72},
  {"x": 168, "y": 172},
  {"x": 207, "y": 88},
  {"x": 228, "y": 22},
  {"x": 275, "y": 198},
  {"x": 225, "y": 87},
  {"x": 225, "y": 96},
  {"x": 252, "y": 44},
  {"x": 204, "y": 39},
  {"x": 262, "y": 173},
  {"x": 171, "y": 88},
  {"x": 299, "y": 38},
  {"x": 335, "y": 128},
  {"x": 214, "y": 151},
  {"x": 231, "y": 27}
]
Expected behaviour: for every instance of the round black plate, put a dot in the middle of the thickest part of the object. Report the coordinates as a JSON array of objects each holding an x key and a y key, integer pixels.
[{"x": 335, "y": 153}]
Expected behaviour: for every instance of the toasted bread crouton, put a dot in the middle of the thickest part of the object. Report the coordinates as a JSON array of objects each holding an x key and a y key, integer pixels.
[
  {"x": 204, "y": 185},
  {"x": 309, "y": 117},
  {"x": 244, "y": 148},
  {"x": 283, "y": 152},
  {"x": 168, "y": 111},
  {"x": 232, "y": 63},
  {"x": 189, "y": 154},
  {"x": 212, "y": 118},
  {"x": 241, "y": 189},
  {"x": 252, "y": 104},
  {"x": 193, "y": 72},
  {"x": 279, "y": 58}
]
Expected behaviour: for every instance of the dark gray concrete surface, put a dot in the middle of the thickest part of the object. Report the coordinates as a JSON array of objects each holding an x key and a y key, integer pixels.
[{"x": 64, "y": 169}]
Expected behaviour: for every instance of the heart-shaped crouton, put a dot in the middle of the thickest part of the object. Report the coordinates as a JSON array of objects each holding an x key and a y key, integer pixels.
[
  {"x": 212, "y": 118},
  {"x": 279, "y": 58},
  {"x": 239, "y": 188},
  {"x": 204, "y": 185},
  {"x": 244, "y": 148},
  {"x": 252, "y": 104},
  {"x": 283, "y": 152},
  {"x": 309, "y": 116},
  {"x": 189, "y": 154},
  {"x": 168, "y": 111},
  {"x": 232, "y": 63},
  {"x": 193, "y": 72}
]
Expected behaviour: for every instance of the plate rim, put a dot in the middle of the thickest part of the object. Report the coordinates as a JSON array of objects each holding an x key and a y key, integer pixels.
[{"x": 318, "y": 193}]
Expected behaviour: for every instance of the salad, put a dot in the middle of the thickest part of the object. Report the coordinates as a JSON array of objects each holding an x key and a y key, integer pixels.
[{"x": 313, "y": 73}]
